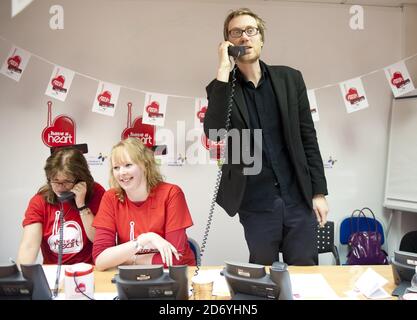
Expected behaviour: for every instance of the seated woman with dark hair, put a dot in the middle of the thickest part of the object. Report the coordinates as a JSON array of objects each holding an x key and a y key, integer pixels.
[{"x": 66, "y": 170}]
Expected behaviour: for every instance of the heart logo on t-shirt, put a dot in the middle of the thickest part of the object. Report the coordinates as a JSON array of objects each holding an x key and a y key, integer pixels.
[
  {"x": 61, "y": 133},
  {"x": 144, "y": 132},
  {"x": 73, "y": 238}
]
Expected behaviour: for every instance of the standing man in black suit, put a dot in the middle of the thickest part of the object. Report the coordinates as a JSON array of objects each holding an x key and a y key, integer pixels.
[{"x": 280, "y": 206}]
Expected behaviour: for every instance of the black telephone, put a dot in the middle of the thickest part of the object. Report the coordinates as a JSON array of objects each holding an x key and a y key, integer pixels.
[
  {"x": 237, "y": 51},
  {"x": 65, "y": 196},
  {"x": 248, "y": 281}
]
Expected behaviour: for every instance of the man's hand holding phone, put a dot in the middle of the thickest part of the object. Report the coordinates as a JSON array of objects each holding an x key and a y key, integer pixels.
[{"x": 227, "y": 50}]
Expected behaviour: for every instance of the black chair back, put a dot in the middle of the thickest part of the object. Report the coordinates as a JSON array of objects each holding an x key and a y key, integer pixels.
[{"x": 325, "y": 240}]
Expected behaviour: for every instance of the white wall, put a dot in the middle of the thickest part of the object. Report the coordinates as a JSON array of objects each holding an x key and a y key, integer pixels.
[
  {"x": 402, "y": 222},
  {"x": 171, "y": 47}
]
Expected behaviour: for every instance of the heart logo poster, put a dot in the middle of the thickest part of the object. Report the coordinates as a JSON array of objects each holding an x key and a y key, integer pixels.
[
  {"x": 154, "y": 109},
  {"x": 59, "y": 83},
  {"x": 144, "y": 132},
  {"x": 399, "y": 79},
  {"x": 59, "y": 132},
  {"x": 200, "y": 108},
  {"x": 15, "y": 63},
  {"x": 106, "y": 98},
  {"x": 354, "y": 95}
]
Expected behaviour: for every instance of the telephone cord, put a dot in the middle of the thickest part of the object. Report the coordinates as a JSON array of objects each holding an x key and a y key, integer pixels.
[{"x": 219, "y": 172}]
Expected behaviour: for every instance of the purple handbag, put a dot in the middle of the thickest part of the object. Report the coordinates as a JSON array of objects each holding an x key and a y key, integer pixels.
[{"x": 365, "y": 246}]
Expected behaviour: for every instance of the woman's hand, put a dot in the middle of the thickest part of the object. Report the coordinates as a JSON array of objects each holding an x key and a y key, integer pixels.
[
  {"x": 80, "y": 190},
  {"x": 165, "y": 248}
]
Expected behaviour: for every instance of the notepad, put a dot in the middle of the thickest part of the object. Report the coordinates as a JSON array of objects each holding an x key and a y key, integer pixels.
[
  {"x": 371, "y": 284},
  {"x": 311, "y": 286}
]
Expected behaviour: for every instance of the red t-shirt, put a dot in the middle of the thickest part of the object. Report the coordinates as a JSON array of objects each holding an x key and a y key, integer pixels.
[
  {"x": 77, "y": 246},
  {"x": 165, "y": 210}
]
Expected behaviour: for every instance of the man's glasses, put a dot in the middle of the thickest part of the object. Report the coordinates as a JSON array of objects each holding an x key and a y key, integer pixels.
[
  {"x": 250, "y": 32},
  {"x": 66, "y": 184}
]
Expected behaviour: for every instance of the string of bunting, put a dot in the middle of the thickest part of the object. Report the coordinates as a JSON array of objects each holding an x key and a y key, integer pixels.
[{"x": 155, "y": 104}]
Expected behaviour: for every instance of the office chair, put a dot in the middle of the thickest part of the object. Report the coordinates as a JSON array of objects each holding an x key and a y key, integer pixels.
[
  {"x": 346, "y": 229},
  {"x": 325, "y": 240},
  {"x": 196, "y": 250},
  {"x": 409, "y": 242},
  {"x": 364, "y": 224}
]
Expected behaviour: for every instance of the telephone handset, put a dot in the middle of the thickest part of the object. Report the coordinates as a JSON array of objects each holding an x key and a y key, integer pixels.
[
  {"x": 65, "y": 196},
  {"x": 236, "y": 51}
]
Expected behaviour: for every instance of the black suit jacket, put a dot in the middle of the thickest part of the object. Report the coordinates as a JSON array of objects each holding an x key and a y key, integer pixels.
[{"x": 298, "y": 131}]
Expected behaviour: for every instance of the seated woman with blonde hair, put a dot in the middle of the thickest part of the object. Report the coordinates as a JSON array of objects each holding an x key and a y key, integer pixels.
[{"x": 141, "y": 219}]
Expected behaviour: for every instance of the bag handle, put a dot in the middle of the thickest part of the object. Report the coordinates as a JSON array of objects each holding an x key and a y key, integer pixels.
[
  {"x": 351, "y": 220},
  {"x": 361, "y": 213},
  {"x": 373, "y": 216}
]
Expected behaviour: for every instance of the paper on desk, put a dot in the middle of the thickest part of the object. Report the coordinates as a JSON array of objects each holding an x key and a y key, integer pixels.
[
  {"x": 220, "y": 287},
  {"x": 371, "y": 284},
  {"x": 311, "y": 286},
  {"x": 50, "y": 273}
]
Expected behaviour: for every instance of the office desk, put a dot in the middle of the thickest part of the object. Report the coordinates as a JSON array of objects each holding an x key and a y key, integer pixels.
[{"x": 340, "y": 278}]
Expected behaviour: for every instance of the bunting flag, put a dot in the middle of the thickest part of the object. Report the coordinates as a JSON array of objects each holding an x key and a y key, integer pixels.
[
  {"x": 311, "y": 94},
  {"x": 106, "y": 98},
  {"x": 19, "y": 5},
  {"x": 354, "y": 95},
  {"x": 59, "y": 83},
  {"x": 399, "y": 78},
  {"x": 154, "y": 109},
  {"x": 15, "y": 63},
  {"x": 200, "y": 108}
]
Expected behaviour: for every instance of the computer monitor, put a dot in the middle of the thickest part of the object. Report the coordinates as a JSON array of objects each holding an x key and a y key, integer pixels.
[
  {"x": 403, "y": 268},
  {"x": 143, "y": 282},
  {"x": 30, "y": 284},
  {"x": 248, "y": 281}
]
